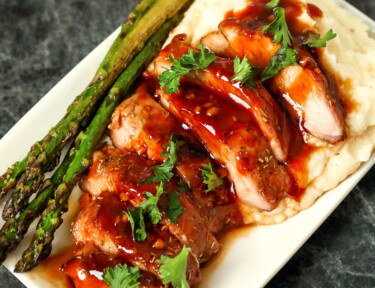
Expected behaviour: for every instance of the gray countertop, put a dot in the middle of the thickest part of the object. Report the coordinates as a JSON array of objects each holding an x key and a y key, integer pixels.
[{"x": 40, "y": 41}]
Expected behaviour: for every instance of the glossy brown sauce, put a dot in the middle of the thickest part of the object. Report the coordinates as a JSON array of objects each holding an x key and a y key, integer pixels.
[
  {"x": 51, "y": 270},
  {"x": 348, "y": 103},
  {"x": 314, "y": 11},
  {"x": 341, "y": 87},
  {"x": 226, "y": 243},
  {"x": 225, "y": 116}
]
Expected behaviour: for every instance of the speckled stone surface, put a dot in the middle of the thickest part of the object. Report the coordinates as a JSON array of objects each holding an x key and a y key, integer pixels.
[{"x": 40, "y": 41}]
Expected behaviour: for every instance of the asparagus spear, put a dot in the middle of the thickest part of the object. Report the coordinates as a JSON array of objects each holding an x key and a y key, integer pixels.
[
  {"x": 105, "y": 76},
  {"x": 134, "y": 17},
  {"x": 14, "y": 229},
  {"x": 51, "y": 219},
  {"x": 9, "y": 179}
]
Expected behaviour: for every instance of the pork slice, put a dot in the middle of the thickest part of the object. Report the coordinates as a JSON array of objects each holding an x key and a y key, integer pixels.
[
  {"x": 107, "y": 226},
  {"x": 258, "y": 102},
  {"x": 85, "y": 230},
  {"x": 306, "y": 93},
  {"x": 117, "y": 170},
  {"x": 217, "y": 217},
  {"x": 233, "y": 139},
  {"x": 218, "y": 44},
  {"x": 140, "y": 124},
  {"x": 218, "y": 207},
  {"x": 122, "y": 172},
  {"x": 191, "y": 230},
  {"x": 258, "y": 50},
  {"x": 303, "y": 88}
]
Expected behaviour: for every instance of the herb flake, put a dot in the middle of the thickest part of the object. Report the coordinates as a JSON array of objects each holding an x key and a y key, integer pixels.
[
  {"x": 315, "y": 41},
  {"x": 173, "y": 270},
  {"x": 121, "y": 276},
  {"x": 273, "y": 3},
  {"x": 244, "y": 72},
  {"x": 210, "y": 178},
  {"x": 193, "y": 61},
  {"x": 150, "y": 205},
  {"x": 284, "y": 57},
  {"x": 183, "y": 186},
  {"x": 175, "y": 208},
  {"x": 279, "y": 28},
  {"x": 137, "y": 223},
  {"x": 163, "y": 173}
]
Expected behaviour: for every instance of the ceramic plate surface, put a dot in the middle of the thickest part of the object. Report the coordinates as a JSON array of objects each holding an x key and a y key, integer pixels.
[{"x": 253, "y": 257}]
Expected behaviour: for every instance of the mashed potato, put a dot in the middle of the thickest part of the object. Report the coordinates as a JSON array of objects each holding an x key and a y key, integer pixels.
[{"x": 350, "y": 59}]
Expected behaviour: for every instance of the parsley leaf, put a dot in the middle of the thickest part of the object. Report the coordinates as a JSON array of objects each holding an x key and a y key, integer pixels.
[
  {"x": 284, "y": 57},
  {"x": 137, "y": 222},
  {"x": 121, "y": 276},
  {"x": 192, "y": 61},
  {"x": 314, "y": 41},
  {"x": 175, "y": 208},
  {"x": 244, "y": 72},
  {"x": 210, "y": 178},
  {"x": 279, "y": 28},
  {"x": 171, "y": 77},
  {"x": 150, "y": 205},
  {"x": 173, "y": 270},
  {"x": 163, "y": 173},
  {"x": 183, "y": 186},
  {"x": 273, "y": 3}
]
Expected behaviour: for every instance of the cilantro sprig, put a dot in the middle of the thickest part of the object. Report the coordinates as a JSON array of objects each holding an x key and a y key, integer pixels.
[
  {"x": 284, "y": 57},
  {"x": 210, "y": 178},
  {"x": 244, "y": 72},
  {"x": 183, "y": 186},
  {"x": 163, "y": 173},
  {"x": 121, "y": 276},
  {"x": 175, "y": 208},
  {"x": 314, "y": 40},
  {"x": 193, "y": 61},
  {"x": 137, "y": 222},
  {"x": 279, "y": 28},
  {"x": 273, "y": 3},
  {"x": 149, "y": 208},
  {"x": 173, "y": 270},
  {"x": 150, "y": 205}
]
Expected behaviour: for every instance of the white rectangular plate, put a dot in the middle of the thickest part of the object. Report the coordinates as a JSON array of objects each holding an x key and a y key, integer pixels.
[{"x": 254, "y": 257}]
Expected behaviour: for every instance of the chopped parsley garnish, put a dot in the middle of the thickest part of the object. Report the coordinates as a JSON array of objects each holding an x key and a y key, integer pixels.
[
  {"x": 284, "y": 57},
  {"x": 163, "y": 173},
  {"x": 273, "y": 3},
  {"x": 314, "y": 41},
  {"x": 150, "y": 205},
  {"x": 210, "y": 178},
  {"x": 192, "y": 61},
  {"x": 175, "y": 208},
  {"x": 279, "y": 28},
  {"x": 173, "y": 270},
  {"x": 244, "y": 72},
  {"x": 121, "y": 276},
  {"x": 183, "y": 186},
  {"x": 137, "y": 223}
]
